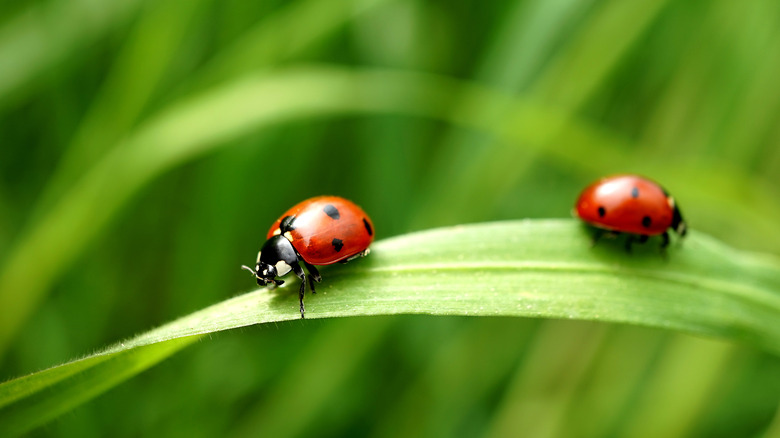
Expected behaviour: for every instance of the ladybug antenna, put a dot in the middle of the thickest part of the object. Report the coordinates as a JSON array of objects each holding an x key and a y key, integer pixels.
[{"x": 249, "y": 269}]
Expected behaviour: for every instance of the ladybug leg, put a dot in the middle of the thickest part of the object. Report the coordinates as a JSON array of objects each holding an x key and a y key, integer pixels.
[
  {"x": 314, "y": 275},
  {"x": 664, "y": 240},
  {"x": 271, "y": 286},
  {"x": 313, "y": 272},
  {"x": 641, "y": 238},
  {"x": 629, "y": 241},
  {"x": 600, "y": 232},
  {"x": 300, "y": 296},
  {"x": 596, "y": 236},
  {"x": 363, "y": 253},
  {"x": 302, "y": 275}
]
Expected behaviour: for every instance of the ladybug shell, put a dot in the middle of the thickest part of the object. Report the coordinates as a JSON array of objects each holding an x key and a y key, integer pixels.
[
  {"x": 327, "y": 229},
  {"x": 626, "y": 203}
]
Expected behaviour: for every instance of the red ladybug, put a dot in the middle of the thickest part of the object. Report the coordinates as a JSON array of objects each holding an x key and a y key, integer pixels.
[
  {"x": 630, "y": 204},
  {"x": 318, "y": 231}
]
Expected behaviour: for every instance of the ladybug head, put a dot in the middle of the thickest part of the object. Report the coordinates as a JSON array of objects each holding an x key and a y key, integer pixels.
[
  {"x": 276, "y": 258},
  {"x": 265, "y": 274}
]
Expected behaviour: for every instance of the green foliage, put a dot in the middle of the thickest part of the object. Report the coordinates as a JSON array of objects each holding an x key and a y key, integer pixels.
[{"x": 147, "y": 145}]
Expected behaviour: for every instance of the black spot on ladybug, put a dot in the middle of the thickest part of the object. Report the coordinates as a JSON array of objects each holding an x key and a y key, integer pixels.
[
  {"x": 635, "y": 192},
  {"x": 602, "y": 211},
  {"x": 337, "y": 244},
  {"x": 368, "y": 227},
  {"x": 287, "y": 224},
  {"x": 646, "y": 221},
  {"x": 332, "y": 211}
]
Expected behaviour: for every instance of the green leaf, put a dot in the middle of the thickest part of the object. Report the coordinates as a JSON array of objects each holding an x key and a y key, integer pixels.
[{"x": 528, "y": 268}]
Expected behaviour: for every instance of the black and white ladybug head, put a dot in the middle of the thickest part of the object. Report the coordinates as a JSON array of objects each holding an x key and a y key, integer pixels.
[
  {"x": 275, "y": 259},
  {"x": 266, "y": 274}
]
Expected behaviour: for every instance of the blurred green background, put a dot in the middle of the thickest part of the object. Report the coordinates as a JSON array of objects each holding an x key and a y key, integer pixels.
[{"x": 686, "y": 92}]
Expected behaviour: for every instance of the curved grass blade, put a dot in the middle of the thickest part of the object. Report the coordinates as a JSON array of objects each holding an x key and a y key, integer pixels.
[{"x": 529, "y": 268}]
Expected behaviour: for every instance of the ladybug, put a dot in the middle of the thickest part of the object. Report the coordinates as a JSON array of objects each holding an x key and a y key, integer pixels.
[
  {"x": 318, "y": 231},
  {"x": 630, "y": 204}
]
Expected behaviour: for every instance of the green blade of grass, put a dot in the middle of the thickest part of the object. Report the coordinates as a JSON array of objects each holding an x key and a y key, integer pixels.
[{"x": 530, "y": 268}]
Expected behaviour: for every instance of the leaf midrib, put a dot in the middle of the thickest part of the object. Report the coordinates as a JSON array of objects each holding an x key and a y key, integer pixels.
[{"x": 730, "y": 288}]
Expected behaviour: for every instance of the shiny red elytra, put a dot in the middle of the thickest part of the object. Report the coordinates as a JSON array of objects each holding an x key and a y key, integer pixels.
[
  {"x": 630, "y": 204},
  {"x": 318, "y": 231},
  {"x": 326, "y": 229}
]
